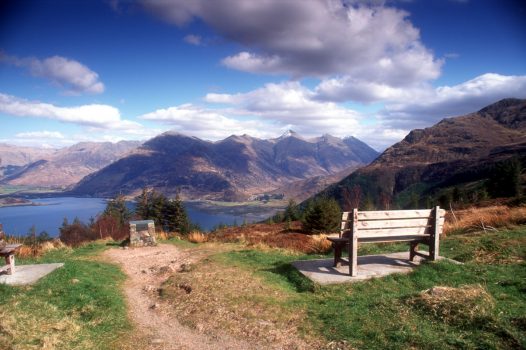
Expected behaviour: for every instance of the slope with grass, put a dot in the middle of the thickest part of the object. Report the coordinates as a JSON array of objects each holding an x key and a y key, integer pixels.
[
  {"x": 249, "y": 293},
  {"x": 479, "y": 304},
  {"x": 79, "y": 306}
]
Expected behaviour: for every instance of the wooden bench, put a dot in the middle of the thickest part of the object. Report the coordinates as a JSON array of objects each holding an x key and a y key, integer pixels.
[
  {"x": 8, "y": 252},
  {"x": 413, "y": 226}
]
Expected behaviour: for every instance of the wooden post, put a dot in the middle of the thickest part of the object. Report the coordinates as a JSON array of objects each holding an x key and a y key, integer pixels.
[
  {"x": 435, "y": 240},
  {"x": 353, "y": 245}
]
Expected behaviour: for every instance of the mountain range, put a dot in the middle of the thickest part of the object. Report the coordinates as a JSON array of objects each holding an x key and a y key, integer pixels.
[
  {"x": 455, "y": 152},
  {"x": 230, "y": 169},
  {"x": 58, "y": 168}
]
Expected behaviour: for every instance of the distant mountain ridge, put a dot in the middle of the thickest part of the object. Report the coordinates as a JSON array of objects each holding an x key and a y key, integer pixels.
[
  {"x": 229, "y": 169},
  {"x": 454, "y": 151},
  {"x": 61, "y": 168}
]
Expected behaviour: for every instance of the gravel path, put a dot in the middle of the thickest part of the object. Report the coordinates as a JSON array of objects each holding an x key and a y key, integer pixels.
[{"x": 147, "y": 268}]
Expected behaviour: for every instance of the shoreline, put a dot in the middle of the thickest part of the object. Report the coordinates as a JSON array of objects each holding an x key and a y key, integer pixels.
[{"x": 17, "y": 202}]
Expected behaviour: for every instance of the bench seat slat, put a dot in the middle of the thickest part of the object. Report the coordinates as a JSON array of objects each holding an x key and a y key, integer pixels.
[
  {"x": 386, "y": 239},
  {"x": 372, "y": 224},
  {"x": 395, "y": 214},
  {"x": 9, "y": 248},
  {"x": 395, "y": 232}
]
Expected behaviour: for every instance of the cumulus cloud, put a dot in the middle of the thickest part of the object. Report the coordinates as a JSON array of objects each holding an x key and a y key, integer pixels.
[
  {"x": 265, "y": 112},
  {"x": 292, "y": 104},
  {"x": 67, "y": 73},
  {"x": 275, "y": 107},
  {"x": 365, "y": 91},
  {"x": 313, "y": 38},
  {"x": 40, "y": 135},
  {"x": 193, "y": 39},
  {"x": 94, "y": 115},
  {"x": 429, "y": 106},
  {"x": 208, "y": 124}
]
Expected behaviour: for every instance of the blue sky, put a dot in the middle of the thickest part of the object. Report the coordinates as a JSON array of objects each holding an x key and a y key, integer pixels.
[{"x": 114, "y": 70}]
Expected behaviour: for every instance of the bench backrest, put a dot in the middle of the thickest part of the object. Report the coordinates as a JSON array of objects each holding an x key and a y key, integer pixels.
[{"x": 393, "y": 223}]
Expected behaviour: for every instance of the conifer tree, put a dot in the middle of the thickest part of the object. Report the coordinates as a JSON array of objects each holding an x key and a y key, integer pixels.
[
  {"x": 322, "y": 215},
  {"x": 291, "y": 212},
  {"x": 117, "y": 208}
]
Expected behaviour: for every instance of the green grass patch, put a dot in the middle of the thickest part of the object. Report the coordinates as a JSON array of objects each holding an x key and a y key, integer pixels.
[
  {"x": 79, "y": 306},
  {"x": 181, "y": 243},
  {"x": 400, "y": 311}
]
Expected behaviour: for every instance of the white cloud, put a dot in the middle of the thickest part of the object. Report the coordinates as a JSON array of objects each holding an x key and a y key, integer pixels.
[
  {"x": 291, "y": 104},
  {"x": 94, "y": 115},
  {"x": 67, "y": 73},
  {"x": 193, "y": 39},
  {"x": 346, "y": 88},
  {"x": 359, "y": 41},
  {"x": 431, "y": 105},
  {"x": 208, "y": 124},
  {"x": 40, "y": 135}
]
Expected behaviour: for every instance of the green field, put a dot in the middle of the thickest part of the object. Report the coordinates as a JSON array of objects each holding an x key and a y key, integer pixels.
[
  {"x": 78, "y": 306},
  {"x": 484, "y": 308},
  {"x": 482, "y": 305}
]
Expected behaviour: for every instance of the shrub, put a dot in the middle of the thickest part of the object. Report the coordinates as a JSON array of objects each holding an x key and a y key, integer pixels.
[
  {"x": 76, "y": 233},
  {"x": 321, "y": 215}
]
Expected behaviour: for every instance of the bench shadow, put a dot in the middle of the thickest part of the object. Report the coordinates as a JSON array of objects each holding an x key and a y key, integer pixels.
[{"x": 294, "y": 277}]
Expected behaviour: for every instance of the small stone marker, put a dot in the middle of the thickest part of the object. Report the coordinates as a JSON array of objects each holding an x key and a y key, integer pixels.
[{"x": 142, "y": 233}]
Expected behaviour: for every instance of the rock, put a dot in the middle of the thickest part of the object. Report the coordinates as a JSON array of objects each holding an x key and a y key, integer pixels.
[
  {"x": 186, "y": 268},
  {"x": 156, "y": 341},
  {"x": 186, "y": 287},
  {"x": 166, "y": 269},
  {"x": 148, "y": 288},
  {"x": 155, "y": 306}
]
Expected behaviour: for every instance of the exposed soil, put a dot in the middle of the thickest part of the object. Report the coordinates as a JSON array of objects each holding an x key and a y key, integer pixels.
[{"x": 147, "y": 268}]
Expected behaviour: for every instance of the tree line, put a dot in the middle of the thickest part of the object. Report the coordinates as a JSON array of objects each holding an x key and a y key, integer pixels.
[{"x": 169, "y": 215}]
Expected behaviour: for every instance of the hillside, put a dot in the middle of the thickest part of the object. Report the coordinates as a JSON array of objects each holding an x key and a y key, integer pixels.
[
  {"x": 427, "y": 164},
  {"x": 12, "y": 158},
  {"x": 64, "y": 167},
  {"x": 229, "y": 169}
]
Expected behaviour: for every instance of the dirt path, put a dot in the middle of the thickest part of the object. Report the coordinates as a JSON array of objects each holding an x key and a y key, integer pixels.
[{"x": 147, "y": 268}]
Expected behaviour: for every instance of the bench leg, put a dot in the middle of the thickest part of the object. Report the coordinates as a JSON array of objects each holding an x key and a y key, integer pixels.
[
  {"x": 337, "y": 254},
  {"x": 10, "y": 260},
  {"x": 353, "y": 257},
  {"x": 412, "y": 250}
]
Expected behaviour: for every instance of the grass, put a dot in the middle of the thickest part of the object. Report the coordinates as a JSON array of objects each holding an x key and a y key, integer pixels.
[
  {"x": 79, "y": 306},
  {"x": 484, "y": 219},
  {"x": 480, "y": 304}
]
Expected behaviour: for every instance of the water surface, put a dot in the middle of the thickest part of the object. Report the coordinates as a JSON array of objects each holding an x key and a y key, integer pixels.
[{"x": 50, "y": 213}]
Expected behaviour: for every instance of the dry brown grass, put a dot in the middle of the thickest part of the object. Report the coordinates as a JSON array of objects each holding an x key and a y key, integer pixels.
[
  {"x": 209, "y": 299},
  {"x": 466, "y": 305},
  {"x": 197, "y": 237},
  {"x": 274, "y": 236},
  {"x": 320, "y": 244},
  {"x": 488, "y": 218},
  {"x": 51, "y": 245},
  {"x": 162, "y": 235}
]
